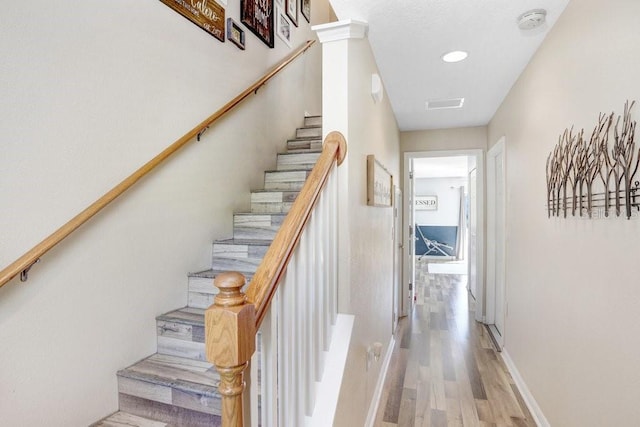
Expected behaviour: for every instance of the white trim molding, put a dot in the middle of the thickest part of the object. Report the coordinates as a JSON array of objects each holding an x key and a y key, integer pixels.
[
  {"x": 341, "y": 30},
  {"x": 529, "y": 400},
  {"x": 377, "y": 393},
  {"x": 328, "y": 389}
]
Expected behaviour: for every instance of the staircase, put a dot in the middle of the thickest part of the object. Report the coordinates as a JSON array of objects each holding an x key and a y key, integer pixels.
[{"x": 177, "y": 386}]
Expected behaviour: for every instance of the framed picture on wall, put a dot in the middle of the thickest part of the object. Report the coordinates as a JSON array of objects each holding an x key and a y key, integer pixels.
[
  {"x": 235, "y": 34},
  {"x": 379, "y": 184},
  {"x": 291, "y": 7},
  {"x": 426, "y": 203},
  {"x": 257, "y": 16},
  {"x": 305, "y": 8},
  {"x": 283, "y": 27}
]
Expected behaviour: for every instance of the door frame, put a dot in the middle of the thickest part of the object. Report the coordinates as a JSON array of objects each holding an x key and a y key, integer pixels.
[
  {"x": 408, "y": 266},
  {"x": 398, "y": 248},
  {"x": 498, "y": 150}
]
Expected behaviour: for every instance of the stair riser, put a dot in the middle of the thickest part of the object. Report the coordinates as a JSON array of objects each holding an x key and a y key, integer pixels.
[
  {"x": 272, "y": 202},
  {"x": 297, "y": 161},
  {"x": 309, "y": 132},
  {"x": 239, "y": 251},
  {"x": 285, "y": 180},
  {"x": 313, "y": 121},
  {"x": 243, "y": 265},
  {"x": 182, "y": 340},
  {"x": 304, "y": 144},
  {"x": 259, "y": 227},
  {"x": 201, "y": 292},
  {"x": 175, "y": 415},
  {"x": 170, "y": 396}
]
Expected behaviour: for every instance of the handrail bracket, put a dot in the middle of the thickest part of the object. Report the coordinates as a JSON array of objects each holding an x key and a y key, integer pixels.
[
  {"x": 24, "y": 274},
  {"x": 202, "y": 131}
]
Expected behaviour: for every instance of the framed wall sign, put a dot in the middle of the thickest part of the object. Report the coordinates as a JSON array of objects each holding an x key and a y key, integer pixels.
[
  {"x": 292, "y": 10},
  {"x": 426, "y": 203},
  {"x": 379, "y": 183},
  {"x": 206, "y": 14},
  {"x": 257, "y": 16},
  {"x": 305, "y": 8}
]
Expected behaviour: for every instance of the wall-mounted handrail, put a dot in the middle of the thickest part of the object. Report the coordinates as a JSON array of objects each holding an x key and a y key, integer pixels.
[
  {"x": 25, "y": 262},
  {"x": 232, "y": 322}
]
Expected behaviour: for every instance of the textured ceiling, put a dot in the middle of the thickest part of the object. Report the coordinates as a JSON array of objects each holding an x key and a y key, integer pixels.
[{"x": 408, "y": 38}]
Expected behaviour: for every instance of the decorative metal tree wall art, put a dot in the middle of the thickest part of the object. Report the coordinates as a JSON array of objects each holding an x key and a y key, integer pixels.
[{"x": 588, "y": 174}]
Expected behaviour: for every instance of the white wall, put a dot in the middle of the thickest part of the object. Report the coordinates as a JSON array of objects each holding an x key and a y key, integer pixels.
[
  {"x": 366, "y": 270},
  {"x": 572, "y": 284},
  {"x": 90, "y": 91},
  {"x": 448, "y": 192}
]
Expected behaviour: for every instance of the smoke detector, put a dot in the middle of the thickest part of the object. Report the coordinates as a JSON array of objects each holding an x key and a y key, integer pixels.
[{"x": 532, "y": 19}]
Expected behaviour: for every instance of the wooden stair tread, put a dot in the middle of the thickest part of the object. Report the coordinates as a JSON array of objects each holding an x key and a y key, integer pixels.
[
  {"x": 257, "y": 242},
  {"x": 305, "y": 139},
  {"x": 269, "y": 190},
  {"x": 212, "y": 273},
  {"x": 287, "y": 171},
  {"x": 304, "y": 150},
  {"x": 186, "y": 315},
  {"x": 125, "y": 419},
  {"x": 188, "y": 375}
]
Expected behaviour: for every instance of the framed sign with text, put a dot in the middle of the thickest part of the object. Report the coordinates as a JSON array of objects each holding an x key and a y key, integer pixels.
[
  {"x": 426, "y": 203},
  {"x": 257, "y": 16},
  {"x": 206, "y": 14},
  {"x": 379, "y": 183}
]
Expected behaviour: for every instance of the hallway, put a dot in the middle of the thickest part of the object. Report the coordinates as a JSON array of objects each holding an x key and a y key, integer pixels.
[{"x": 444, "y": 370}]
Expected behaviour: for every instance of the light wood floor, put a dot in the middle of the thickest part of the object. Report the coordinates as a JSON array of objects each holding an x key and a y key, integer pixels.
[{"x": 444, "y": 370}]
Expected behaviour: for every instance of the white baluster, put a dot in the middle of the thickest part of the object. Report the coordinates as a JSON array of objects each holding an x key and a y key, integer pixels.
[
  {"x": 302, "y": 335},
  {"x": 311, "y": 285},
  {"x": 269, "y": 365}
]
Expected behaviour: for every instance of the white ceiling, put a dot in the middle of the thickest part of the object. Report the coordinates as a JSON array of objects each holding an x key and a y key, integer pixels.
[
  {"x": 441, "y": 167},
  {"x": 408, "y": 38}
]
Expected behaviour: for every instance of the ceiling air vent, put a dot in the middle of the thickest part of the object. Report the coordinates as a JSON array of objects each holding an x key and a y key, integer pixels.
[{"x": 443, "y": 104}]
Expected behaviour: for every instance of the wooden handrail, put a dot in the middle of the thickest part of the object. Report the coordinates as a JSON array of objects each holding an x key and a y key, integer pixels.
[
  {"x": 29, "y": 258},
  {"x": 232, "y": 322},
  {"x": 265, "y": 281}
]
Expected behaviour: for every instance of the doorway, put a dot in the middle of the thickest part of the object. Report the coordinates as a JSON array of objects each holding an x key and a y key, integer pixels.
[{"x": 461, "y": 239}]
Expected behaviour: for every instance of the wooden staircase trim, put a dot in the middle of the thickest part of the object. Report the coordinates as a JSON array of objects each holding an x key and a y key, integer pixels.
[
  {"x": 232, "y": 322},
  {"x": 266, "y": 278},
  {"x": 23, "y": 263}
]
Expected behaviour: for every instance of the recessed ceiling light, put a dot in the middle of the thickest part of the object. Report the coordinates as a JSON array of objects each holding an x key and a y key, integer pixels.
[{"x": 455, "y": 56}]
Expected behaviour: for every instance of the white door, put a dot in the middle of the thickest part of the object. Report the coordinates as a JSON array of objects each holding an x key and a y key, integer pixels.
[
  {"x": 496, "y": 285},
  {"x": 397, "y": 256}
]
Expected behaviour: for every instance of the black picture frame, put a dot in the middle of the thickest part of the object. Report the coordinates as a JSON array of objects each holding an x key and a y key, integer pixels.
[
  {"x": 291, "y": 9},
  {"x": 235, "y": 34},
  {"x": 257, "y": 16},
  {"x": 305, "y": 9}
]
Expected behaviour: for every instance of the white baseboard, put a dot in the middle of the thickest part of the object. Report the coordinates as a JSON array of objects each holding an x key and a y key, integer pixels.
[
  {"x": 377, "y": 393},
  {"x": 536, "y": 412}
]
